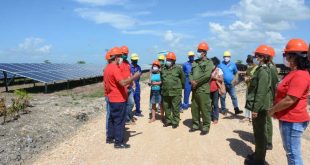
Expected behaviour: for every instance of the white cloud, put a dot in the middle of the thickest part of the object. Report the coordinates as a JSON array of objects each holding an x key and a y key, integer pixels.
[
  {"x": 172, "y": 38},
  {"x": 33, "y": 46},
  {"x": 142, "y": 32},
  {"x": 117, "y": 20},
  {"x": 273, "y": 15},
  {"x": 216, "y": 13},
  {"x": 102, "y": 2},
  {"x": 258, "y": 22}
]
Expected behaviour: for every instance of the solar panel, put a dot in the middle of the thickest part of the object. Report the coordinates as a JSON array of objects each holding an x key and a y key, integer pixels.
[{"x": 49, "y": 73}]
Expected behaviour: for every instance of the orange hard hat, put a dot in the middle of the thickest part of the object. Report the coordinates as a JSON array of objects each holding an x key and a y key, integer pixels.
[
  {"x": 107, "y": 55},
  {"x": 156, "y": 63},
  {"x": 272, "y": 51},
  {"x": 264, "y": 50},
  {"x": 203, "y": 46},
  {"x": 115, "y": 51},
  {"x": 124, "y": 49},
  {"x": 296, "y": 45},
  {"x": 171, "y": 56}
]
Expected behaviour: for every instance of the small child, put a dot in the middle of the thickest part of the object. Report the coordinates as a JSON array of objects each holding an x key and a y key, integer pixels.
[{"x": 155, "y": 82}]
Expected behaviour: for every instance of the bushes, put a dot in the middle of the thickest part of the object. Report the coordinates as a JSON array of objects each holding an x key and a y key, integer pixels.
[{"x": 20, "y": 103}]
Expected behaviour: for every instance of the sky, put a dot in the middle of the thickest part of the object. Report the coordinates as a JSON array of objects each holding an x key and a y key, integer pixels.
[{"x": 67, "y": 31}]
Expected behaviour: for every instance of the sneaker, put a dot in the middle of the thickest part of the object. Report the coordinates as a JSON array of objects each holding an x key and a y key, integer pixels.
[
  {"x": 121, "y": 146},
  {"x": 139, "y": 115},
  {"x": 193, "y": 129},
  {"x": 109, "y": 141},
  {"x": 167, "y": 125},
  {"x": 204, "y": 132},
  {"x": 238, "y": 111}
]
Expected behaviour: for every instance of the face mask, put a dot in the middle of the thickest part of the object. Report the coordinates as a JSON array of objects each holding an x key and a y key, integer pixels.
[
  {"x": 155, "y": 68},
  {"x": 168, "y": 63},
  {"x": 226, "y": 59},
  {"x": 120, "y": 60},
  {"x": 162, "y": 63},
  {"x": 286, "y": 63},
  {"x": 124, "y": 57},
  {"x": 134, "y": 62},
  {"x": 191, "y": 58}
]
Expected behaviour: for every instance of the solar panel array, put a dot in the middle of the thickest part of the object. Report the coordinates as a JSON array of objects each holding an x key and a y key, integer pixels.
[{"x": 49, "y": 73}]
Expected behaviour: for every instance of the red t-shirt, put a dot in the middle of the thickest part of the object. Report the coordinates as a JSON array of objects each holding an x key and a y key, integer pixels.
[
  {"x": 125, "y": 69},
  {"x": 115, "y": 92},
  {"x": 213, "y": 86},
  {"x": 297, "y": 84}
]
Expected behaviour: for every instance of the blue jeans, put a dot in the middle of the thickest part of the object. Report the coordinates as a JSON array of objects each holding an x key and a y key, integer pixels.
[
  {"x": 129, "y": 105},
  {"x": 232, "y": 92},
  {"x": 215, "y": 105},
  {"x": 291, "y": 134},
  {"x": 108, "y": 113},
  {"x": 116, "y": 124}
]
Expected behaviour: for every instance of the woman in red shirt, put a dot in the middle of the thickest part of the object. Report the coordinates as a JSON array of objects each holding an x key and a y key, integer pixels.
[{"x": 290, "y": 106}]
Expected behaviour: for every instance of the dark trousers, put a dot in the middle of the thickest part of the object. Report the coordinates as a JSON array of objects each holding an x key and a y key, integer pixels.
[
  {"x": 215, "y": 105},
  {"x": 260, "y": 136},
  {"x": 116, "y": 125}
]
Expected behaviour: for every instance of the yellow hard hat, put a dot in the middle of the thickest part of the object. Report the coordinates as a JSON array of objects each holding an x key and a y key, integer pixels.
[
  {"x": 191, "y": 53},
  {"x": 161, "y": 57},
  {"x": 227, "y": 54},
  {"x": 134, "y": 56}
]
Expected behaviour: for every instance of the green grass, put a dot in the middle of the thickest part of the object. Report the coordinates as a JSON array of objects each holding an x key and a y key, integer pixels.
[{"x": 96, "y": 94}]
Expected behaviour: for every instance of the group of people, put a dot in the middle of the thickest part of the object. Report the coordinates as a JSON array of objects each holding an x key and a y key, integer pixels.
[{"x": 209, "y": 80}]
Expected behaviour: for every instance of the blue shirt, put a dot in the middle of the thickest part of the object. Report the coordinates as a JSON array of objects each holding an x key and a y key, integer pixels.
[
  {"x": 187, "y": 68},
  {"x": 229, "y": 70},
  {"x": 155, "y": 78},
  {"x": 133, "y": 70}
]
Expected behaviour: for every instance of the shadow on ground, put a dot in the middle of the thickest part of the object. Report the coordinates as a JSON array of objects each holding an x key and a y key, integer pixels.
[
  {"x": 128, "y": 134},
  {"x": 188, "y": 123},
  {"x": 246, "y": 136},
  {"x": 239, "y": 147}
]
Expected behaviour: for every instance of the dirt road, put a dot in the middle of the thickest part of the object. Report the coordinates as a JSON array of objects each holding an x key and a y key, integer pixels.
[{"x": 227, "y": 143}]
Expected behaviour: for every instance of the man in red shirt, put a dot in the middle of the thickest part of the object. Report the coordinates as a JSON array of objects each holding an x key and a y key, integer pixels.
[
  {"x": 115, "y": 89},
  {"x": 126, "y": 73}
]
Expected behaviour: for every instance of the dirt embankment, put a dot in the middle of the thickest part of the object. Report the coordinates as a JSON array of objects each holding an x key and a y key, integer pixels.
[{"x": 53, "y": 118}]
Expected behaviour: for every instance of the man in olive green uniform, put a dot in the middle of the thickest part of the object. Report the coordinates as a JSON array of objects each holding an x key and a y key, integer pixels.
[
  {"x": 173, "y": 80},
  {"x": 259, "y": 100},
  {"x": 201, "y": 102},
  {"x": 274, "y": 82}
]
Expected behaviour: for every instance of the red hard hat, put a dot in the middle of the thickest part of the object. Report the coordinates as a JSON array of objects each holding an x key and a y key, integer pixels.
[
  {"x": 203, "y": 46},
  {"x": 115, "y": 51},
  {"x": 264, "y": 50},
  {"x": 124, "y": 49},
  {"x": 107, "y": 55},
  {"x": 171, "y": 56},
  {"x": 156, "y": 63},
  {"x": 296, "y": 45},
  {"x": 272, "y": 51}
]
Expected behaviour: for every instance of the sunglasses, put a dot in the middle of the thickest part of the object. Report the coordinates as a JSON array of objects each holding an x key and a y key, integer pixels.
[{"x": 290, "y": 54}]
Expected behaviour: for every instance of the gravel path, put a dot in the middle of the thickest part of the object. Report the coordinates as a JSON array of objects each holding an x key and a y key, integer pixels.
[{"x": 227, "y": 143}]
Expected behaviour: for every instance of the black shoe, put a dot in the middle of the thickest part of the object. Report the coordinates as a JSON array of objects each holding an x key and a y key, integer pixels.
[
  {"x": 121, "y": 146},
  {"x": 193, "y": 130},
  {"x": 109, "y": 141},
  {"x": 167, "y": 125},
  {"x": 254, "y": 162},
  {"x": 238, "y": 111},
  {"x": 269, "y": 146},
  {"x": 174, "y": 126},
  {"x": 204, "y": 132},
  {"x": 139, "y": 115}
]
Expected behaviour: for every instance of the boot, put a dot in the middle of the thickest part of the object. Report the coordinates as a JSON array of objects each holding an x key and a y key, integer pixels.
[{"x": 238, "y": 111}]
